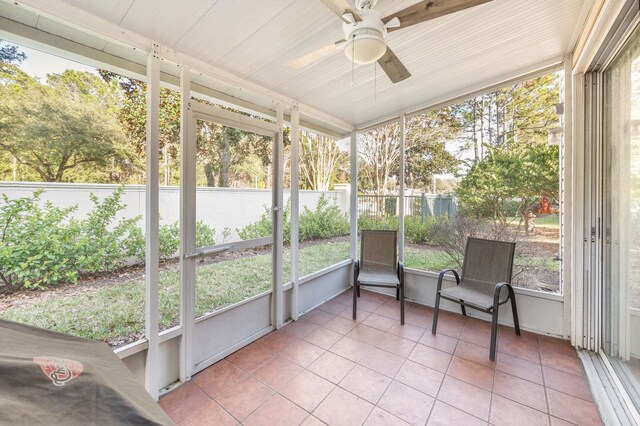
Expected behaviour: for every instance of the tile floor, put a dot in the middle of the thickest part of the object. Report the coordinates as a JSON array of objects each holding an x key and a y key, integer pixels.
[{"x": 327, "y": 369}]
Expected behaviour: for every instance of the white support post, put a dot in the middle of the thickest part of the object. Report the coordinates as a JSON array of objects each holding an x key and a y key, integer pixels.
[
  {"x": 295, "y": 208},
  {"x": 353, "y": 212},
  {"x": 403, "y": 136},
  {"x": 152, "y": 219},
  {"x": 278, "y": 243},
  {"x": 566, "y": 196},
  {"x": 577, "y": 212},
  {"x": 187, "y": 225}
]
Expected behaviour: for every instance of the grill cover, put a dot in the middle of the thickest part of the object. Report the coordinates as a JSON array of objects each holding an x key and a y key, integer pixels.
[{"x": 52, "y": 378}]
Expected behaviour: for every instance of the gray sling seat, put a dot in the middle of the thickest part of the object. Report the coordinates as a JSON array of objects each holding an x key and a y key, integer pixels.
[
  {"x": 485, "y": 283},
  {"x": 378, "y": 266}
]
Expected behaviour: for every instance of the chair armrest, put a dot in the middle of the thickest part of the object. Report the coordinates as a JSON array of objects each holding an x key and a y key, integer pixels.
[
  {"x": 442, "y": 274},
  {"x": 401, "y": 271},
  {"x": 497, "y": 290}
]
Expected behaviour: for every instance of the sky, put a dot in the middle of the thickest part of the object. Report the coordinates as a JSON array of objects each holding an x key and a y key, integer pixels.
[{"x": 39, "y": 64}]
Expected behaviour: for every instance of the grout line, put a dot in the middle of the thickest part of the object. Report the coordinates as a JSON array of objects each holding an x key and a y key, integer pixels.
[
  {"x": 404, "y": 361},
  {"x": 444, "y": 376}
]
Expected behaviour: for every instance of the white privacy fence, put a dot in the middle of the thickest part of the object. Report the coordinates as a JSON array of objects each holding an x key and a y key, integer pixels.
[{"x": 220, "y": 208}]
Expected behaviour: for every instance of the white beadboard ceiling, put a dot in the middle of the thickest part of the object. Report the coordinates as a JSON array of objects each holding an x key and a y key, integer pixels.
[{"x": 255, "y": 39}]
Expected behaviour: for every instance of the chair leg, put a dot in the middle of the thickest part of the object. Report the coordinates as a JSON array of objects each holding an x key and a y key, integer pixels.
[
  {"x": 514, "y": 309},
  {"x": 356, "y": 290},
  {"x": 494, "y": 332},
  {"x": 462, "y": 308},
  {"x": 398, "y": 293},
  {"x": 436, "y": 310},
  {"x": 401, "y": 290}
]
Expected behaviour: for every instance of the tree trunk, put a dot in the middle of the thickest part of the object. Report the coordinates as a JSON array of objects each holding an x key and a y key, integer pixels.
[
  {"x": 225, "y": 160},
  {"x": 482, "y": 129},
  {"x": 475, "y": 135},
  {"x": 498, "y": 122},
  {"x": 208, "y": 172}
]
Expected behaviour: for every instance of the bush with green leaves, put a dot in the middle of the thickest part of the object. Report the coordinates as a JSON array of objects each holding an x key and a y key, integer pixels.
[
  {"x": 42, "y": 245},
  {"x": 415, "y": 231},
  {"x": 169, "y": 240},
  {"x": 35, "y": 243},
  {"x": 325, "y": 221},
  {"x": 169, "y": 236},
  {"x": 378, "y": 223},
  {"x": 104, "y": 244}
]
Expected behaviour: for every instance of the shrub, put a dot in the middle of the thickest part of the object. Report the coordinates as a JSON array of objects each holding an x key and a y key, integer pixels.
[
  {"x": 377, "y": 223},
  {"x": 263, "y": 227},
  {"x": 451, "y": 235},
  {"x": 169, "y": 240},
  {"x": 103, "y": 245},
  {"x": 35, "y": 242},
  {"x": 325, "y": 221},
  {"x": 415, "y": 231},
  {"x": 169, "y": 236},
  {"x": 205, "y": 235}
]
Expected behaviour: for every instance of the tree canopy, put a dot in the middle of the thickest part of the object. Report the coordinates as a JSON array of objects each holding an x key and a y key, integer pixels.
[
  {"x": 9, "y": 54},
  {"x": 512, "y": 161},
  {"x": 64, "y": 130},
  {"x": 426, "y": 152},
  {"x": 80, "y": 126}
]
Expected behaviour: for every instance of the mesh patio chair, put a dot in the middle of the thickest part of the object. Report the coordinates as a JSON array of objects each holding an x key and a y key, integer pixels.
[
  {"x": 378, "y": 266},
  {"x": 485, "y": 283}
]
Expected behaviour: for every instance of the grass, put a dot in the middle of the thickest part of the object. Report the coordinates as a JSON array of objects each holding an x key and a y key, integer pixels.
[
  {"x": 548, "y": 220},
  {"x": 116, "y": 313},
  {"x": 427, "y": 258}
]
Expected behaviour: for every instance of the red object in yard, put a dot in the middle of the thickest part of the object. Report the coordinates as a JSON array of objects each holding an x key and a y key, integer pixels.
[{"x": 544, "y": 207}]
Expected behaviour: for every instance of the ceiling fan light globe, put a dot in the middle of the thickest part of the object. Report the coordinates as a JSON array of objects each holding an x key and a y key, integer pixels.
[{"x": 365, "y": 49}]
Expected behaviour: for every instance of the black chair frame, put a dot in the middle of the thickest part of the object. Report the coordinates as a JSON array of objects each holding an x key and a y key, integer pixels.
[
  {"x": 399, "y": 288},
  {"x": 493, "y": 310}
]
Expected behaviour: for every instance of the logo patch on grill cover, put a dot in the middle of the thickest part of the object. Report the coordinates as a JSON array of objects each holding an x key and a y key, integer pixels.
[{"x": 60, "y": 370}]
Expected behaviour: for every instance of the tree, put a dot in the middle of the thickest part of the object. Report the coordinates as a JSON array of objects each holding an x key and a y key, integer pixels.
[
  {"x": 320, "y": 161},
  {"x": 425, "y": 151},
  {"x": 9, "y": 54},
  {"x": 379, "y": 152},
  {"x": 513, "y": 162},
  {"x": 521, "y": 113},
  {"x": 133, "y": 118},
  {"x": 521, "y": 173},
  {"x": 66, "y": 126}
]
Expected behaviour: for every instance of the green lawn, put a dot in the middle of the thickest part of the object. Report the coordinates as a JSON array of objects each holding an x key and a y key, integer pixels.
[
  {"x": 112, "y": 312},
  {"x": 548, "y": 220}
]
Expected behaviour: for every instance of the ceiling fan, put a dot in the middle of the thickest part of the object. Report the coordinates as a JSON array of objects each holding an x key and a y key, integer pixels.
[{"x": 365, "y": 31}]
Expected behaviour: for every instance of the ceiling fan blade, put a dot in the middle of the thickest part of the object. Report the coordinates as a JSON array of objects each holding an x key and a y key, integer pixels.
[
  {"x": 341, "y": 7},
  {"x": 392, "y": 66},
  {"x": 312, "y": 57},
  {"x": 429, "y": 9}
]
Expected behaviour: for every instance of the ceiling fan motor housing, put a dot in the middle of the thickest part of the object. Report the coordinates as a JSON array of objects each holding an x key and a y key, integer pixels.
[
  {"x": 365, "y": 38},
  {"x": 365, "y": 4}
]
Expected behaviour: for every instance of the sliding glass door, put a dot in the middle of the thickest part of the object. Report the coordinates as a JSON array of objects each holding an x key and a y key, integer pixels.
[{"x": 621, "y": 273}]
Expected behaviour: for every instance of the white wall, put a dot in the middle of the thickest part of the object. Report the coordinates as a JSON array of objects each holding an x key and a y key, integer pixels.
[{"x": 217, "y": 207}]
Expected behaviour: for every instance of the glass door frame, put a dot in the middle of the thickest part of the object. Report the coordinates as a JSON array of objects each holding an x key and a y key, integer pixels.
[
  {"x": 189, "y": 253},
  {"x": 590, "y": 306}
]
